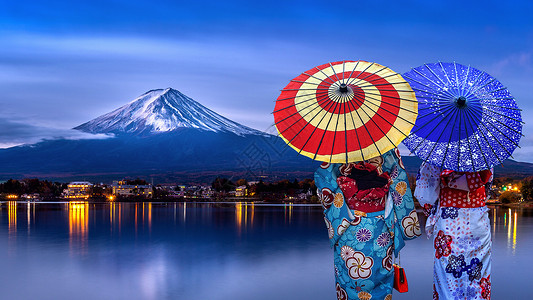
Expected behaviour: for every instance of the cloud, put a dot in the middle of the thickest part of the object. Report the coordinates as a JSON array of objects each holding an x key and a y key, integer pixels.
[
  {"x": 14, "y": 133},
  {"x": 515, "y": 62}
]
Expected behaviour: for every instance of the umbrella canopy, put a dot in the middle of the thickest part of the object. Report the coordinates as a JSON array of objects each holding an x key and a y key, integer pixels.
[
  {"x": 345, "y": 111},
  {"x": 468, "y": 121}
]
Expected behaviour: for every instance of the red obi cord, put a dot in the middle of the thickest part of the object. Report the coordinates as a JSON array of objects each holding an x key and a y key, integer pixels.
[
  {"x": 363, "y": 187},
  {"x": 471, "y": 195}
]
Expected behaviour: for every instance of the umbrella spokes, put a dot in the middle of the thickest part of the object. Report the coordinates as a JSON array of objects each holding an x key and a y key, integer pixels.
[
  {"x": 345, "y": 111},
  {"x": 469, "y": 120}
]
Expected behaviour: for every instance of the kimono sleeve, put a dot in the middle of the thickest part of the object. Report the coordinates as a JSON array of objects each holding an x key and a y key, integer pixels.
[
  {"x": 404, "y": 218},
  {"x": 427, "y": 184},
  {"x": 336, "y": 212}
]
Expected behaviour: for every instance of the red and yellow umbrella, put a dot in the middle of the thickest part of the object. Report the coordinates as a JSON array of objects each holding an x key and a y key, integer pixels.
[{"x": 345, "y": 111}]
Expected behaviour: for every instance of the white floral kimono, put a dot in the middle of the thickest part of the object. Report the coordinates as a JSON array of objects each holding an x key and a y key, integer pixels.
[{"x": 461, "y": 235}]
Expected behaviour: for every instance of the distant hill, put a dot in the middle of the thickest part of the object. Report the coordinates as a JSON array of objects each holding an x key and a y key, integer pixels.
[{"x": 166, "y": 136}]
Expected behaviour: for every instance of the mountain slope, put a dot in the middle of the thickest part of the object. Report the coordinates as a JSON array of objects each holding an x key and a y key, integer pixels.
[
  {"x": 159, "y": 111},
  {"x": 168, "y": 137}
]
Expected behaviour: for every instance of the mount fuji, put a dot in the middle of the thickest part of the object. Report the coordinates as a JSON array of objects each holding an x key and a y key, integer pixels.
[
  {"x": 159, "y": 111},
  {"x": 163, "y": 135}
]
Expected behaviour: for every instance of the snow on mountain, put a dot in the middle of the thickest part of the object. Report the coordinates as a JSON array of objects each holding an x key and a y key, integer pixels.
[{"x": 163, "y": 111}]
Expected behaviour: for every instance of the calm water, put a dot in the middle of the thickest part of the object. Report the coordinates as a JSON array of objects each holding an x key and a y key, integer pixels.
[{"x": 209, "y": 251}]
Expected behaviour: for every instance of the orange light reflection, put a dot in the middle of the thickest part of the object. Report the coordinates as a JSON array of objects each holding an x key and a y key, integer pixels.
[{"x": 78, "y": 221}]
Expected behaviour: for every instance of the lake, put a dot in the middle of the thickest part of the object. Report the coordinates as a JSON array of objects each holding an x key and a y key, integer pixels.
[{"x": 210, "y": 251}]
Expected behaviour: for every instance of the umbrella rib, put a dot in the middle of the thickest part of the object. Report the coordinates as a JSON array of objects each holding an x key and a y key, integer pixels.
[
  {"x": 343, "y": 70},
  {"x": 469, "y": 117},
  {"x": 503, "y": 134},
  {"x": 353, "y": 70},
  {"x": 413, "y": 79},
  {"x": 439, "y": 107},
  {"x": 490, "y": 146},
  {"x": 371, "y": 119},
  {"x": 380, "y": 84},
  {"x": 435, "y": 112},
  {"x": 319, "y": 99},
  {"x": 468, "y": 143},
  {"x": 457, "y": 79},
  {"x": 436, "y": 84},
  {"x": 345, "y": 127},
  {"x": 442, "y": 81},
  {"x": 500, "y": 114},
  {"x": 482, "y": 86},
  {"x": 423, "y": 75},
  {"x": 493, "y": 91},
  {"x": 364, "y": 103},
  {"x": 434, "y": 127},
  {"x": 319, "y": 79},
  {"x": 395, "y": 90},
  {"x": 336, "y": 126},
  {"x": 375, "y": 113},
  {"x": 370, "y": 74},
  {"x": 355, "y": 127},
  {"x": 428, "y": 92},
  {"x": 436, "y": 96},
  {"x": 294, "y": 104},
  {"x": 334, "y": 72},
  {"x": 297, "y": 112},
  {"x": 363, "y": 124},
  {"x": 327, "y": 77},
  {"x": 314, "y": 83},
  {"x": 344, "y": 110},
  {"x": 460, "y": 113},
  {"x": 376, "y": 99},
  {"x": 485, "y": 103},
  {"x": 297, "y": 96},
  {"x": 325, "y": 130},
  {"x": 436, "y": 76},
  {"x": 469, "y": 91},
  {"x": 392, "y": 97},
  {"x": 320, "y": 89},
  {"x": 386, "y": 76},
  {"x": 434, "y": 105},
  {"x": 449, "y": 141},
  {"x": 307, "y": 123},
  {"x": 357, "y": 77},
  {"x": 464, "y": 81}
]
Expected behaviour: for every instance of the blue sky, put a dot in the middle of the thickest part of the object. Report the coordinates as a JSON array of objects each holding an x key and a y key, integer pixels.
[{"x": 63, "y": 63}]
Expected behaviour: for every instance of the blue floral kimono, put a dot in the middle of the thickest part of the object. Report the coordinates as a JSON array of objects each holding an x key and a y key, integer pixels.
[{"x": 364, "y": 243}]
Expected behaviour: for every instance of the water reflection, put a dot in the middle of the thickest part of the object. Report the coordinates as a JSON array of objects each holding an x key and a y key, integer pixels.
[
  {"x": 12, "y": 217},
  {"x": 78, "y": 224},
  {"x": 244, "y": 216},
  {"x": 175, "y": 250},
  {"x": 506, "y": 220}
]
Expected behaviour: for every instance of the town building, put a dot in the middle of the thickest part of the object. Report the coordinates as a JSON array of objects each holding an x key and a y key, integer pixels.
[
  {"x": 78, "y": 190},
  {"x": 241, "y": 191},
  {"x": 122, "y": 188}
]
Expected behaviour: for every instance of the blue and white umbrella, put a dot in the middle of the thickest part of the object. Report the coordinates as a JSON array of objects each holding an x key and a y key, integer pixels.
[{"x": 467, "y": 120}]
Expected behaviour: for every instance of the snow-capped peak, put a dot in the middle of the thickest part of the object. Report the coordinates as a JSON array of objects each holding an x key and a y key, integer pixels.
[{"x": 163, "y": 110}]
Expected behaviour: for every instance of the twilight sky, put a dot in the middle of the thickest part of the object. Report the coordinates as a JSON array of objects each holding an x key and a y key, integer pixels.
[{"x": 63, "y": 63}]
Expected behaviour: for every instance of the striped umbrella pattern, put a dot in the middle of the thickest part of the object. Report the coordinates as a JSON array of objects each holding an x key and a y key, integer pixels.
[{"x": 345, "y": 111}]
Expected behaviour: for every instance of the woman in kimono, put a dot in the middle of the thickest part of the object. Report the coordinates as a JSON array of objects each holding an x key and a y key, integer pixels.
[
  {"x": 369, "y": 212},
  {"x": 458, "y": 220}
]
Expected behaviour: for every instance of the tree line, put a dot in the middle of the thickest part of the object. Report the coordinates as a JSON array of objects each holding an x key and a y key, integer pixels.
[{"x": 44, "y": 188}]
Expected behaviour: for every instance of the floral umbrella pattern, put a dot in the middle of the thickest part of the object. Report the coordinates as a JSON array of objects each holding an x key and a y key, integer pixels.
[{"x": 467, "y": 121}]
